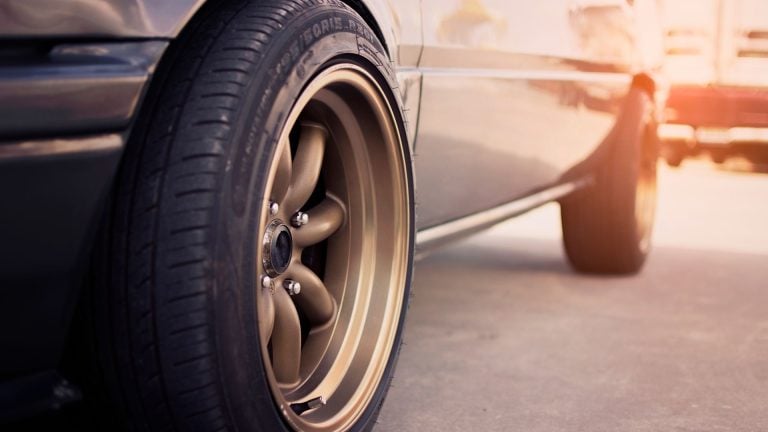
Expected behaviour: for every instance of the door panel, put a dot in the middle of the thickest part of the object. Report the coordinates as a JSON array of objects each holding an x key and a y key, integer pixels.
[{"x": 513, "y": 95}]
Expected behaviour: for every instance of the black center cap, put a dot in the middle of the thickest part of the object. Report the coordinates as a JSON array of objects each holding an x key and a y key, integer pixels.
[{"x": 278, "y": 248}]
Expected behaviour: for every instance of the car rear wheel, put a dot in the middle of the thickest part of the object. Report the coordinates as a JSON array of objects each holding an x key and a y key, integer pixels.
[
  {"x": 607, "y": 227},
  {"x": 674, "y": 153},
  {"x": 263, "y": 229}
]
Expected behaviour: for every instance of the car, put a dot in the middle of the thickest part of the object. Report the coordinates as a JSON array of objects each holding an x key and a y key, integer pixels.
[
  {"x": 209, "y": 216},
  {"x": 717, "y": 63}
]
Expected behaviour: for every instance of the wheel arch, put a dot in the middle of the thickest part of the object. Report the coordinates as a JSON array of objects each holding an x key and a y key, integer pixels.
[
  {"x": 374, "y": 16},
  {"x": 650, "y": 85},
  {"x": 657, "y": 90},
  {"x": 185, "y": 14}
]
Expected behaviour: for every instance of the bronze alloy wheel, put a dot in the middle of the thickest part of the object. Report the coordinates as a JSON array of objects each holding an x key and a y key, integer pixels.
[
  {"x": 645, "y": 198},
  {"x": 334, "y": 251}
]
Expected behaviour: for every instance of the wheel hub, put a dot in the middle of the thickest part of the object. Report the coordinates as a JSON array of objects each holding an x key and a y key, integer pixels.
[{"x": 278, "y": 248}]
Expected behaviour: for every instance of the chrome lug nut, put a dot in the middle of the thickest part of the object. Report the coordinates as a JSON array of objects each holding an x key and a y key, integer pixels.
[
  {"x": 266, "y": 282},
  {"x": 273, "y": 208},
  {"x": 292, "y": 287},
  {"x": 300, "y": 219}
]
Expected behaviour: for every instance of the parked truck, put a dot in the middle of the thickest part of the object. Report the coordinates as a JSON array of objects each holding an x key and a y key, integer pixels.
[{"x": 717, "y": 64}]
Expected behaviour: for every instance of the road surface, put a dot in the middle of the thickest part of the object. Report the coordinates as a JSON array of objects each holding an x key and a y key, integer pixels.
[{"x": 502, "y": 336}]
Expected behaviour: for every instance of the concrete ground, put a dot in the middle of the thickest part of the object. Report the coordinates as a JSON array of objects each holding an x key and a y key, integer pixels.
[{"x": 502, "y": 336}]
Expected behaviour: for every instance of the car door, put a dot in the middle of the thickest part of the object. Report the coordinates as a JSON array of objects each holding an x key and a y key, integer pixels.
[{"x": 513, "y": 95}]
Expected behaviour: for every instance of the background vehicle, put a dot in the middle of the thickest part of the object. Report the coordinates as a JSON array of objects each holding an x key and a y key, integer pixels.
[
  {"x": 717, "y": 60},
  {"x": 232, "y": 182}
]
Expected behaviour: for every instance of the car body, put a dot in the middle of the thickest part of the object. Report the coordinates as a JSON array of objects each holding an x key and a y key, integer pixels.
[
  {"x": 717, "y": 63},
  {"x": 506, "y": 103}
]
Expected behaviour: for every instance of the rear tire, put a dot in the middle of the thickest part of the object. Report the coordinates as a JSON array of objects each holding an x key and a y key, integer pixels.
[
  {"x": 607, "y": 227},
  {"x": 718, "y": 156},
  {"x": 205, "y": 325},
  {"x": 674, "y": 154}
]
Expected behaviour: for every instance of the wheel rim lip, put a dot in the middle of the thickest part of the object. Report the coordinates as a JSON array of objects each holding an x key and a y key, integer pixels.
[
  {"x": 349, "y": 73},
  {"x": 645, "y": 201}
]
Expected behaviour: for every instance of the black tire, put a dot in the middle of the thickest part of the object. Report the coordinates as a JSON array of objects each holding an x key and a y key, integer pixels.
[
  {"x": 179, "y": 337},
  {"x": 607, "y": 227},
  {"x": 674, "y": 160},
  {"x": 674, "y": 154},
  {"x": 719, "y": 156}
]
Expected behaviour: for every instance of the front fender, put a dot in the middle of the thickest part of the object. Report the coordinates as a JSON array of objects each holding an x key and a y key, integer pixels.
[{"x": 48, "y": 19}]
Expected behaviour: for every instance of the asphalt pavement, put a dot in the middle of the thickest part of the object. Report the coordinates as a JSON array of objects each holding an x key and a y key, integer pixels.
[{"x": 503, "y": 336}]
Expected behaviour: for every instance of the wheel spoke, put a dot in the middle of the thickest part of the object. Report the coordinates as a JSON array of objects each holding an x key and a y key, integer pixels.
[
  {"x": 306, "y": 165},
  {"x": 284, "y": 171},
  {"x": 266, "y": 310},
  {"x": 314, "y": 299},
  {"x": 324, "y": 220},
  {"x": 286, "y": 340}
]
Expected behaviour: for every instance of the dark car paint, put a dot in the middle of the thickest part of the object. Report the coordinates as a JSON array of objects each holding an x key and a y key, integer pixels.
[
  {"x": 56, "y": 19},
  {"x": 85, "y": 96},
  {"x": 72, "y": 76},
  {"x": 50, "y": 210},
  {"x": 76, "y": 89}
]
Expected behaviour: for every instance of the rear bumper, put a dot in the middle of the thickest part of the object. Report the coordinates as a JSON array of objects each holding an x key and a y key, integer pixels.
[{"x": 64, "y": 119}]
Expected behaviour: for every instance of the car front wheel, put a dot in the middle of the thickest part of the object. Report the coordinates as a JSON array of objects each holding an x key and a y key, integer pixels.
[{"x": 263, "y": 228}]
